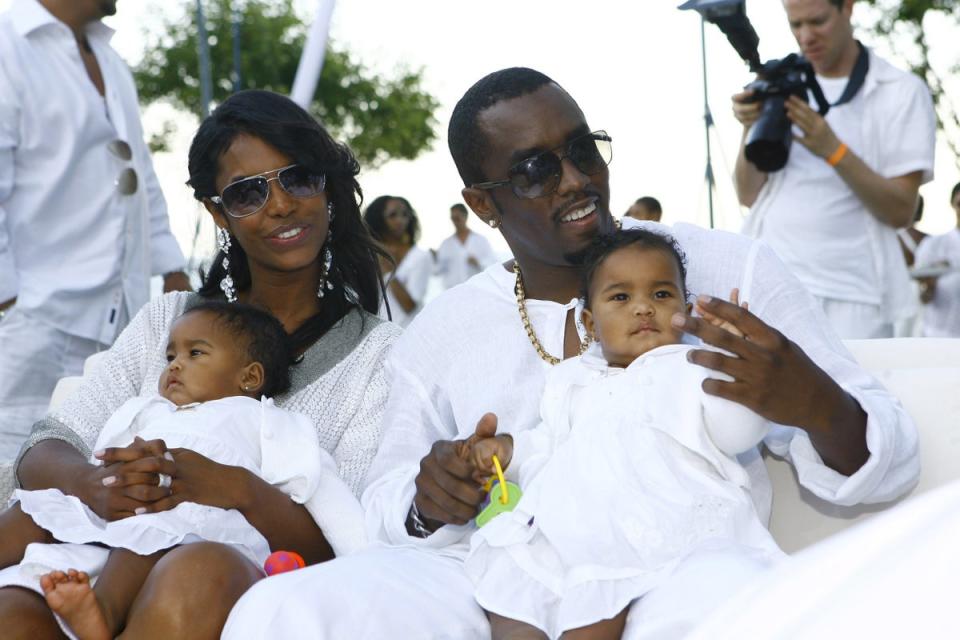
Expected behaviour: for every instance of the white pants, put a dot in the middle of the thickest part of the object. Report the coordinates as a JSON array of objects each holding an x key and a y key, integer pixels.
[
  {"x": 33, "y": 356},
  {"x": 401, "y": 592},
  {"x": 855, "y": 320}
]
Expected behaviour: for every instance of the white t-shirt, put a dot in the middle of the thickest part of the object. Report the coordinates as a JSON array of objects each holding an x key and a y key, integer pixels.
[
  {"x": 453, "y": 258},
  {"x": 413, "y": 273},
  {"x": 815, "y": 222},
  {"x": 941, "y": 316}
]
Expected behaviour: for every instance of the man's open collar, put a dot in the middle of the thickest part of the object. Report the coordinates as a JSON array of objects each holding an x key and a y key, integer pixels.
[{"x": 29, "y": 16}]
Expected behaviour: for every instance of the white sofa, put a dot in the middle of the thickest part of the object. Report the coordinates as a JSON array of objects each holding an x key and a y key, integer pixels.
[{"x": 924, "y": 373}]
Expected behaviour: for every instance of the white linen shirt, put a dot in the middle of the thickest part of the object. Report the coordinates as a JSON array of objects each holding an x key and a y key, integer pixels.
[
  {"x": 467, "y": 353},
  {"x": 73, "y": 249},
  {"x": 452, "y": 257},
  {"x": 941, "y": 316},
  {"x": 809, "y": 216}
]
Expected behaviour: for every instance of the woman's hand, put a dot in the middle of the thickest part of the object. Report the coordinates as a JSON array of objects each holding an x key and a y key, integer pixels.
[
  {"x": 199, "y": 479},
  {"x": 129, "y": 481}
]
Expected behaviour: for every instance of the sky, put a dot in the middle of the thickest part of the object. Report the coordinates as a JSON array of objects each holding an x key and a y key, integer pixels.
[{"x": 634, "y": 66}]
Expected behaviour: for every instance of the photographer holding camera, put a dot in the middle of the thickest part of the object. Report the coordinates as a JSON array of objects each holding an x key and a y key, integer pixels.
[{"x": 832, "y": 212}]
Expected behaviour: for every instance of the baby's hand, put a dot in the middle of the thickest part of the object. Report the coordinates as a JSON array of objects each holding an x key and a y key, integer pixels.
[
  {"x": 718, "y": 322},
  {"x": 483, "y": 450}
]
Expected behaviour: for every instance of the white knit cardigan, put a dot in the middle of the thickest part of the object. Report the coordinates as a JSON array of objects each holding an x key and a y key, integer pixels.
[{"x": 340, "y": 385}]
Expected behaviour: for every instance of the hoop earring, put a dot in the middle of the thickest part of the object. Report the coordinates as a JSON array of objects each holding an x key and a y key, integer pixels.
[
  {"x": 325, "y": 284},
  {"x": 226, "y": 285}
]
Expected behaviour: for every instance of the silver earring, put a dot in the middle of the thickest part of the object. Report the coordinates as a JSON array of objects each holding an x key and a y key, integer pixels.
[
  {"x": 492, "y": 223},
  {"x": 226, "y": 285},
  {"x": 325, "y": 284}
]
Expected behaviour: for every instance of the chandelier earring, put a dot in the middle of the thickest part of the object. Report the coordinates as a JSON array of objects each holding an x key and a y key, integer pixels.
[
  {"x": 226, "y": 285},
  {"x": 325, "y": 284}
]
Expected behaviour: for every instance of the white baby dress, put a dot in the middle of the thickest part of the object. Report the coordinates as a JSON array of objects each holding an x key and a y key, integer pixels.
[{"x": 621, "y": 482}]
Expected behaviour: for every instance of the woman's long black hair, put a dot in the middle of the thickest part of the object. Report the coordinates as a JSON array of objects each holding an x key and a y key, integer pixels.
[
  {"x": 284, "y": 125},
  {"x": 376, "y": 218}
]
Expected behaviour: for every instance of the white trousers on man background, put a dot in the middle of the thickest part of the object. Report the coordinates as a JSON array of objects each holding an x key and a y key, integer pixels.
[
  {"x": 33, "y": 356},
  {"x": 402, "y": 592}
]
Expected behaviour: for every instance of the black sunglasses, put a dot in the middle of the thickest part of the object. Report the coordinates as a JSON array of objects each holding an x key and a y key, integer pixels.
[
  {"x": 245, "y": 197},
  {"x": 539, "y": 175}
]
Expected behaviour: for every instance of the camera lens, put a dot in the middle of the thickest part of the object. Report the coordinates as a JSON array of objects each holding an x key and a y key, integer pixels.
[{"x": 768, "y": 144}]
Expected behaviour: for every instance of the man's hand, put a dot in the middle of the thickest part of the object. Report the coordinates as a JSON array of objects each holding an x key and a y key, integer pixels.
[
  {"x": 176, "y": 281},
  {"x": 7, "y": 304},
  {"x": 744, "y": 111},
  {"x": 774, "y": 377},
  {"x": 817, "y": 136},
  {"x": 448, "y": 491}
]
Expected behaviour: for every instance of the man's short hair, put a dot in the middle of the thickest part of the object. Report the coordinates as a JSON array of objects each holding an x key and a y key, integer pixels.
[
  {"x": 652, "y": 204},
  {"x": 462, "y": 208},
  {"x": 467, "y": 143}
]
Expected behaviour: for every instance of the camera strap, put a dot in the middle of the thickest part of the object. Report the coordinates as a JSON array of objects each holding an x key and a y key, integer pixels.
[{"x": 857, "y": 77}]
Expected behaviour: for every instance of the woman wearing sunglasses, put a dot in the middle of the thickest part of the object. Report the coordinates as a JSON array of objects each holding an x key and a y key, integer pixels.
[
  {"x": 285, "y": 200},
  {"x": 394, "y": 224}
]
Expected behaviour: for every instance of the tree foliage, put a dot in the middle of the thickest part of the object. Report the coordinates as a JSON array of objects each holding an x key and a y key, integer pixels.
[
  {"x": 903, "y": 21},
  {"x": 379, "y": 117}
]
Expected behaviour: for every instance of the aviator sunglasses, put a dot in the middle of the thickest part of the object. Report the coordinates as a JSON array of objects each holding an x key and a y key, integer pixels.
[
  {"x": 539, "y": 175},
  {"x": 127, "y": 181},
  {"x": 245, "y": 197}
]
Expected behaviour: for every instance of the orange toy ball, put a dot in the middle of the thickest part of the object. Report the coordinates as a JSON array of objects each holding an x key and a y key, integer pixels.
[{"x": 282, "y": 561}]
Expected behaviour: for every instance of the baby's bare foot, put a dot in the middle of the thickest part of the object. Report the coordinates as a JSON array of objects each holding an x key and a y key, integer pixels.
[{"x": 71, "y": 597}]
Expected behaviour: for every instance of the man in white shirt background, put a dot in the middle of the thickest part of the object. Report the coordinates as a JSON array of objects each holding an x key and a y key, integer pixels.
[
  {"x": 464, "y": 254},
  {"x": 940, "y": 290},
  {"x": 832, "y": 211},
  {"x": 645, "y": 208},
  {"x": 83, "y": 223}
]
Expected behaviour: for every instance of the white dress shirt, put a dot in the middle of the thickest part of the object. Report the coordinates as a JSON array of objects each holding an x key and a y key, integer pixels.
[
  {"x": 467, "y": 353},
  {"x": 73, "y": 249},
  {"x": 453, "y": 258}
]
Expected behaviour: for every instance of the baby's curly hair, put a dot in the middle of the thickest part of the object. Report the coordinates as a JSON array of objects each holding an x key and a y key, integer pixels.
[
  {"x": 604, "y": 245},
  {"x": 260, "y": 334}
]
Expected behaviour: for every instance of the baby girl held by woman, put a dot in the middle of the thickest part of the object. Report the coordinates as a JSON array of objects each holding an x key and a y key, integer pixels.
[
  {"x": 631, "y": 471},
  {"x": 225, "y": 362}
]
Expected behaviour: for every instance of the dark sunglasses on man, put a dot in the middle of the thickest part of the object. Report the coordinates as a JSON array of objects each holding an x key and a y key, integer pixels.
[
  {"x": 539, "y": 175},
  {"x": 247, "y": 196},
  {"x": 127, "y": 181}
]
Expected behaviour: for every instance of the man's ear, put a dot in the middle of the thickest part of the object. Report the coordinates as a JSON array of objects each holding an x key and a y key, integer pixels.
[
  {"x": 251, "y": 379},
  {"x": 586, "y": 317},
  {"x": 482, "y": 205}
]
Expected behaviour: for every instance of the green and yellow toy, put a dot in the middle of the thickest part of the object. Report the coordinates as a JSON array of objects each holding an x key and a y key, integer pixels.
[{"x": 502, "y": 496}]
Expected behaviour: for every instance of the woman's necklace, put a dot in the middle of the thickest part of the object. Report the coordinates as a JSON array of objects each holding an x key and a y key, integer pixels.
[{"x": 522, "y": 306}]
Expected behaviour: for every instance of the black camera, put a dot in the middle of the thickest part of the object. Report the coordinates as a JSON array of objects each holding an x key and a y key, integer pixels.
[{"x": 768, "y": 142}]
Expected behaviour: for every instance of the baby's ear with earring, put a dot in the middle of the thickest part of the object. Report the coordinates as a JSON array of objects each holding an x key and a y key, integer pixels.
[
  {"x": 586, "y": 317},
  {"x": 251, "y": 379}
]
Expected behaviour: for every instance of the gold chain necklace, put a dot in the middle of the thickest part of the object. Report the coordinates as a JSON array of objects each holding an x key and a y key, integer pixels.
[{"x": 522, "y": 306}]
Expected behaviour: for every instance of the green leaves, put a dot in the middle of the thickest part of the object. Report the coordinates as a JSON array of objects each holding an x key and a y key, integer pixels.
[{"x": 379, "y": 117}]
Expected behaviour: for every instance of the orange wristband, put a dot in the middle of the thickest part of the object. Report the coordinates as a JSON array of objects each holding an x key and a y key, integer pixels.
[{"x": 837, "y": 155}]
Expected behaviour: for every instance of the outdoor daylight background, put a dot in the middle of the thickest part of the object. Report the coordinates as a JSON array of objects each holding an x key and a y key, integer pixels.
[{"x": 633, "y": 65}]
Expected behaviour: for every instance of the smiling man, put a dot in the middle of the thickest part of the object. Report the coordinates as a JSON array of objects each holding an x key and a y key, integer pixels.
[
  {"x": 831, "y": 214},
  {"x": 474, "y": 362}
]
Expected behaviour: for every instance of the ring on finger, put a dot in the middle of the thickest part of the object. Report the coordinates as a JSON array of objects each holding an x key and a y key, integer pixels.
[{"x": 165, "y": 481}]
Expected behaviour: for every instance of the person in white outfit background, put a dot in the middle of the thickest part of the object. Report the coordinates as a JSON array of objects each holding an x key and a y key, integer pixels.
[
  {"x": 632, "y": 470},
  {"x": 940, "y": 291},
  {"x": 394, "y": 223},
  {"x": 226, "y": 362},
  {"x": 464, "y": 254},
  {"x": 83, "y": 222}
]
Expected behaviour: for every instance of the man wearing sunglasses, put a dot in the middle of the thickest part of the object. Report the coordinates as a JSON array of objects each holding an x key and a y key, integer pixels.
[
  {"x": 475, "y": 361},
  {"x": 83, "y": 223}
]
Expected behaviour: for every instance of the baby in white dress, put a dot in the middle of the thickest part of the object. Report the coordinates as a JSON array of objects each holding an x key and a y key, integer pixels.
[
  {"x": 222, "y": 358},
  {"x": 632, "y": 469}
]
